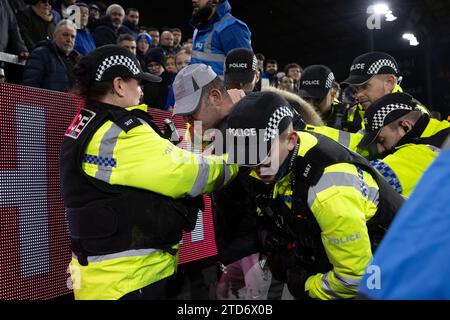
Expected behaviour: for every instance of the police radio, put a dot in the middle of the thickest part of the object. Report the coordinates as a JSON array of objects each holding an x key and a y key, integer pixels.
[{"x": 170, "y": 132}]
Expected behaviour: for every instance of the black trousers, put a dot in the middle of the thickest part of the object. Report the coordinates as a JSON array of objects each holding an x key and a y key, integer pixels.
[{"x": 155, "y": 291}]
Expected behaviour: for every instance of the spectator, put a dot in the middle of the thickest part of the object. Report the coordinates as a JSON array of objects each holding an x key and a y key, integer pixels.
[
  {"x": 260, "y": 59},
  {"x": 217, "y": 33},
  {"x": 294, "y": 71},
  {"x": 50, "y": 64},
  {"x": 155, "y": 94},
  {"x": 94, "y": 16},
  {"x": 182, "y": 59},
  {"x": 127, "y": 41},
  {"x": 107, "y": 30},
  {"x": 36, "y": 22},
  {"x": 84, "y": 42},
  {"x": 2, "y": 76},
  {"x": 287, "y": 84},
  {"x": 269, "y": 77},
  {"x": 166, "y": 42},
  {"x": 131, "y": 23},
  {"x": 241, "y": 70},
  {"x": 9, "y": 32},
  {"x": 62, "y": 6},
  {"x": 169, "y": 64},
  {"x": 143, "y": 42},
  {"x": 154, "y": 33},
  {"x": 177, "y": 35}
]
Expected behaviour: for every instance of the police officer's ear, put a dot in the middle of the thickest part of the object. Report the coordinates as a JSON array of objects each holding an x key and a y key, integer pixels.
[
  {"x": 118, "y": 86},
  {"x": 406, "y": 125}
]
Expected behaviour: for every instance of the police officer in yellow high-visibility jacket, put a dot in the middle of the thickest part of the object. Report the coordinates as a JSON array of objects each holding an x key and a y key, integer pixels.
[
  {"x": 329, "y": 200},
  {"x": 407, "y": 140},
  {"x": 125, "y": 188}
]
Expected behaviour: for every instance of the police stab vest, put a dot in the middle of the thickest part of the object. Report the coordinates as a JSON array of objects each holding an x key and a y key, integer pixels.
[{"x": 105, "y": 219}]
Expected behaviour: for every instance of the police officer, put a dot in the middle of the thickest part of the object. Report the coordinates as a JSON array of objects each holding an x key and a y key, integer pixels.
[
  {"x": 120, "y": 180},
  {"x": 327, "y": 199},
  {"x": 406, "y": 139},
  {"x": 217, "y": 32},
  {"x": 316, "y": 87},
  {"x": 235, "y": 214},
  {"x": 374, "y": 74}
]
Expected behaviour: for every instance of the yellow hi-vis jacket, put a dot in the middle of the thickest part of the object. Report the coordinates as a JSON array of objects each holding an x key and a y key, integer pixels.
[
  {"x": 342, "y": 201},
  {"x": 146, "y": 161},
  {"x": 406, "y": 164}
]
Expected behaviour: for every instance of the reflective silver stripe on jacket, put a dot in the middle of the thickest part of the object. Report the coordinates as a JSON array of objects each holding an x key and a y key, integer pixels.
[
  {"x": 350, "y": 283},
  {"x": 340, "y": 179},
  {"x": 123, "y": 254},
  {"x": 215, "y": 57},
  {"x": 344, "y": 138},
  {"x": 207, "y": 53},
  {"x": 433, "y": 148},
  {"x": 106, "y": 150},
  {"x": 202, "y": 176},
  {"x": 227, "y": 173}
]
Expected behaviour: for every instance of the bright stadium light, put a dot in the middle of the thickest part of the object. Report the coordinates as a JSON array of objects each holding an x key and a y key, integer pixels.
[
  {"x": 390, "y": 17},
  {"x": 381, "y": 8},
  {"x": 411, "y": 38}
]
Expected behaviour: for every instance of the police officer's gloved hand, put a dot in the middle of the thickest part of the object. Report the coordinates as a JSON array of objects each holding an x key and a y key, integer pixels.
[
  {"x": 271, "y": 241},
  {"x": 296, "y": 279}
]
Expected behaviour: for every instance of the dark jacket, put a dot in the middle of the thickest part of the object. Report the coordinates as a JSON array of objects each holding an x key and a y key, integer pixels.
[
  {"x": 33, "y": 28},
  {"x": 49, "y": 68},
  {"x": 10, "y": 37},
  {"x": 129, "y": 28},
  {"x": 105, "y": 32},
  {"x": 155, "y": 93}
]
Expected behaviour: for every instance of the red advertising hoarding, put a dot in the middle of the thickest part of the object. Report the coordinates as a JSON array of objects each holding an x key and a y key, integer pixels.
[{"x": 34, "y": 239}]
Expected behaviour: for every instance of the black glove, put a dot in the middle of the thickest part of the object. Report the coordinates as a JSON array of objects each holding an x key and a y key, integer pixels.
[
  {"x": 296, "y": 279},
  {"x": 271, "y": 241}
]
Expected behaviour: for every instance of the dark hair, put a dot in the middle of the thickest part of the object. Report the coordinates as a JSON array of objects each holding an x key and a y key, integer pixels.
[
  {"x": 175, "y": 30},
  {"x": 86, "y": 87},
  {"x": 131, "y": 9},
  {"x": 152, "y": 29},
  {"x": 125, "y": 36},
  {"x": 271, "y": 61},
  {"x": 291, "y": 66},
  {"x": 260, "y": 56}
]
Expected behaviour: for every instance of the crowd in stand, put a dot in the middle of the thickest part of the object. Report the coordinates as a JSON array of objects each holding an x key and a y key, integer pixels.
[{"x": 36, "y": 30}]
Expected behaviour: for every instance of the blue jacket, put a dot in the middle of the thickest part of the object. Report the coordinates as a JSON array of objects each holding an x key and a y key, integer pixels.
[
  {"x": 224, "y": 33},
  {"x": 84, "y": 42},
  {"x": 46, "y": 68},
  {"x": 413, "y": 260}
]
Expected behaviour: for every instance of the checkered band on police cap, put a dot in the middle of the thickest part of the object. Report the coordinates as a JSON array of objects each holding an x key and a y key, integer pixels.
[
  {"x": 329, "y": 81},
  {"x": 381, "y": 114},
  {"x": 274, "y": 122},
  {"x": 377, "y": 65},
  {"x": 113, "y": 61}
]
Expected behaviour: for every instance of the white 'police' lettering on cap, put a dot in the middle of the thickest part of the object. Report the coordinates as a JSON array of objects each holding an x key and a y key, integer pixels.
[
  {"x": 274, "y": 121},
  {"x": 377, "y": 65},
  {"x": 114, "y": 61},
  {"x": 380, "y": 115}
]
